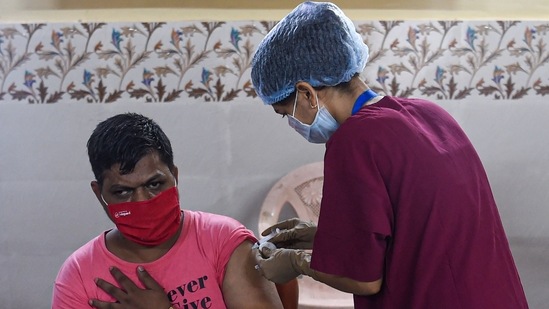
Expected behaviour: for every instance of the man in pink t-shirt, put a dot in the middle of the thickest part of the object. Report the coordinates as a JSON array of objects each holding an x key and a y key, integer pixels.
[{"x": 158, "y": 256}]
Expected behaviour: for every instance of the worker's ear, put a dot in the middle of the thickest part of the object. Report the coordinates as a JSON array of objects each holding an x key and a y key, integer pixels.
[{"x": 308, "y": 91}]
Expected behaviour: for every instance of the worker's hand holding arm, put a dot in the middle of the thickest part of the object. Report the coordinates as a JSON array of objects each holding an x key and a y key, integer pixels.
[{"x": 282, "y": 265}]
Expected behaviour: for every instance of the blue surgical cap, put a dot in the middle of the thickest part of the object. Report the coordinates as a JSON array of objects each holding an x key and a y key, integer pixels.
[{"x": 315, "y": 43}]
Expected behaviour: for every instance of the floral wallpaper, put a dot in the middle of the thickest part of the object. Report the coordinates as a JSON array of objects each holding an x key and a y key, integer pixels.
[{"x": 210, "y": 61}]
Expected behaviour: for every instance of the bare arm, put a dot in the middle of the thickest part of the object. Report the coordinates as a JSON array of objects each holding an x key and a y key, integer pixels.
[{"x": 243, "y": 287}]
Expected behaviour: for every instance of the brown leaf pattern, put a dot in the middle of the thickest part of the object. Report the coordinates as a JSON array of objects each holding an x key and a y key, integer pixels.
[{"x": 210, "y": 61}]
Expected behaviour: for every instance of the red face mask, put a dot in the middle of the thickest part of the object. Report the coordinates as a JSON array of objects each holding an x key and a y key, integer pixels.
[{"x": 149, "y": 222}]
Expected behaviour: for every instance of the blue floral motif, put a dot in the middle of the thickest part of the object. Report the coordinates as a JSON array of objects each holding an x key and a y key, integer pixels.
[
  {"x": 235, "y": 38},
  {"x": 205, "y": 76},
  {"x": 1, "y": 41},
  {"x": 148, "y": 77},
  {"x": 498, "y": 74},
  {"x": 87, "y": 79},
  {"x": 29, "y": 79},
  {"x": 471, "y": 37},
  {"x": 439, "y": 77},
  {"x": 116, "y": 39},
  {"x": 382, "y": 75}
]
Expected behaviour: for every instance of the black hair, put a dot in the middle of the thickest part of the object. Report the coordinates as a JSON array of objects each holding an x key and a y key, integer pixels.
[{"x": 125, "y": 139}]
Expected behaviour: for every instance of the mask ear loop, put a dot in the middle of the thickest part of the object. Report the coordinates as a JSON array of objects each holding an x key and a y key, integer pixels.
[
  {"x": 103, "y": 199},
  {"x": 295, "y": 103}
]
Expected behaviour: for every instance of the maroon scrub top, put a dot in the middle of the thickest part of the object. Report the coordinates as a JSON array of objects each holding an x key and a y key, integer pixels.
[{"x": 406, "y": 199}]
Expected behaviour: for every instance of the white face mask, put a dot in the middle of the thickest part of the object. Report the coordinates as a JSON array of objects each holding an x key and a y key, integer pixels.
[{"x": 323, "y": 126}]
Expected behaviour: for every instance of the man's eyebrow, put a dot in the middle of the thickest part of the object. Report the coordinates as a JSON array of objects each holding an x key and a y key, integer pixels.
[
  {"x": 154, "y": 177},
  {"x": 119, "y": 187}
]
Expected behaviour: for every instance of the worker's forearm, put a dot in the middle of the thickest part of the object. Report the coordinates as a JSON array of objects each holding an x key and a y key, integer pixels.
[{"x": 348, "y": 285}]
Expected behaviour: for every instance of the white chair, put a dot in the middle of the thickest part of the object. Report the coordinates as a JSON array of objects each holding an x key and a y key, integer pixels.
[{"x": 301, "y": 189}]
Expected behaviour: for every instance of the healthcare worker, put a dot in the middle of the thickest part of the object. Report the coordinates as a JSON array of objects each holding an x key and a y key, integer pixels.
[{"x": 407, "y": 217}]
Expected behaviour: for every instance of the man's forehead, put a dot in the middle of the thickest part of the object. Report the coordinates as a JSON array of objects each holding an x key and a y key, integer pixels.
[{"x": 148, "y": 167}]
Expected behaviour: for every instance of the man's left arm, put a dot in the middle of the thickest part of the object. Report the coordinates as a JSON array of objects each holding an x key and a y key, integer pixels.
[{"x": 243, "y": 286}]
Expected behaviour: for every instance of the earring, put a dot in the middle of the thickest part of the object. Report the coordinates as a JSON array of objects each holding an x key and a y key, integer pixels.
[{"x": 314, "y": 106}]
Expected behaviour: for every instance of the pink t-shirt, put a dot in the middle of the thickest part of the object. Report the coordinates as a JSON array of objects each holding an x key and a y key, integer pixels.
[
  {"x": 191, "y": 272},
  {"x": 406, "y": 199}
]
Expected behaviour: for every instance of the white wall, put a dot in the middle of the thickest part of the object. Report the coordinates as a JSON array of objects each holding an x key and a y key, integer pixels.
[
  {"x": 511, "y": 138},
  {"x": 229, "y": 155}
]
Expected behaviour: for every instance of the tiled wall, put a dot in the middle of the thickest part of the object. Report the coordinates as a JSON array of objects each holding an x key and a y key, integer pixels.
[{"x": 210, "y": 61}]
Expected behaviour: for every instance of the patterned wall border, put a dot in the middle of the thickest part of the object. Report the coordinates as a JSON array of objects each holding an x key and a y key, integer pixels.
[{"x": 210, "y": 61}]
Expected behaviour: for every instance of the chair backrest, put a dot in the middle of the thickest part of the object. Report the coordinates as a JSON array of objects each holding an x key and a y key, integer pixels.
[
  {"x": 301, "y": 189},
  {"x": 289, "y": 294}
]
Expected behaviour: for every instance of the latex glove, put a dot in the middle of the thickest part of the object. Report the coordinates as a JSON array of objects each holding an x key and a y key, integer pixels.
[
  {"x": 283, "y": 265},
  {"x": 294, "y": 234}
]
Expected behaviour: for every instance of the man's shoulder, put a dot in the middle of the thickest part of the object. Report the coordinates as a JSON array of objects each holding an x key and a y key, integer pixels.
[
  {"x": 89, "y": 247},
  {"x": 84, "y": 256},
  {"x": 215, "y": 225},
  {"x": 209, "y": 219}
]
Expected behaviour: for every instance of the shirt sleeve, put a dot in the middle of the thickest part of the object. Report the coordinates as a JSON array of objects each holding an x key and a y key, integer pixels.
[
  {"x": 221, "y": 235},
  {"x": 355, "y": 221}
]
